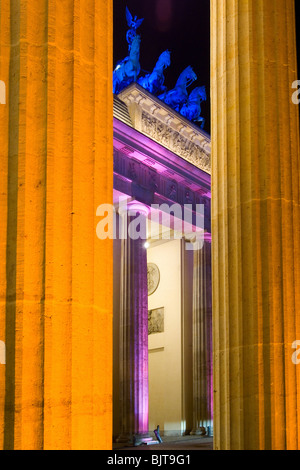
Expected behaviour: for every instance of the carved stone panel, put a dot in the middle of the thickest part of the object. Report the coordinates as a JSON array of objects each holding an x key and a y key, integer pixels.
[
  {"x": 175, "y": 142},
  {"x": 156, "y": 321},
  {"x": 153, "y": 277}
]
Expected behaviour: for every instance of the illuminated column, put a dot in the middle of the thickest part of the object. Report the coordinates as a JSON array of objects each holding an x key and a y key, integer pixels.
[
  {"x": 134, "y": 392},
  {"x": 5, "y": 162},
  {"x": 55, "y": 170},
  {"x": 202, "y": 341},
  {"x": 255, "y": 224}
]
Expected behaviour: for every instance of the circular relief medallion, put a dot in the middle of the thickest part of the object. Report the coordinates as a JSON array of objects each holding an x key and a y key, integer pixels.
[{"x": 153, "y": 277}]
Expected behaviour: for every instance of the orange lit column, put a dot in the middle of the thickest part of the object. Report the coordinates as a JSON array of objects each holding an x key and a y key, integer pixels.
[
  {"x": 4, "y": 168},
  {"x": 56, "y": 157},
  {"x": 134, "y": 391},
  {"x": 255, "y": 224}
]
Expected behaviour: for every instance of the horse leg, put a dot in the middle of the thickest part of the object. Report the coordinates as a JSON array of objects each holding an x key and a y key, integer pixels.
[
  {"x": 136, "y": 74},
  {"x": 129, "y": 71}
]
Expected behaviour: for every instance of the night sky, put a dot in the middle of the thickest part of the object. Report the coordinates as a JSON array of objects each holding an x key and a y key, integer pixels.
[{"x": 183, "y": 27}]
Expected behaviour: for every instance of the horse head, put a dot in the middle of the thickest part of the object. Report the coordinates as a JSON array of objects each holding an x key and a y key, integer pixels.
[
  {"x": 164, "y": 60},
  {"x": 199, "y": 93},
  {"x": 187, "y": 77}
]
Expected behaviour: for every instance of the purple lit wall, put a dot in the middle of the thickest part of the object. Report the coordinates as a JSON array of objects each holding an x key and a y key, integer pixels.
[{"x": 144, "y": 171}]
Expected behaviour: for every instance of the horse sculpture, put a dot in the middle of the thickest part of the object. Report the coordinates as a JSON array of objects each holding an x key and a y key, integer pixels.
[
  {"x": 129, "y": 68},
  {"x": 179, "y": 95},
  {"x": 192, "y": 109},
  {"x": 154, "y": 82}
]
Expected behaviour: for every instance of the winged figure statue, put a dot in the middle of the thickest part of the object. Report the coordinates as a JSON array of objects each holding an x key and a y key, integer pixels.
[{"x": 133, "y": 24}]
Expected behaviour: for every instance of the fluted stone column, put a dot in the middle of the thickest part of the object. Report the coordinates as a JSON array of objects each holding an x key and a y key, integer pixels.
[
  {"x": 202, "y": 341},
  {"x": 56, "y": 168},
  {"x": 134, "y": 391},
  {"x": 255, "y": 224}
]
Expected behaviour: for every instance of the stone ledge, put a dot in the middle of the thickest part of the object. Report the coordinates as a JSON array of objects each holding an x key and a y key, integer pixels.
[{"x": 155, "y": 119}]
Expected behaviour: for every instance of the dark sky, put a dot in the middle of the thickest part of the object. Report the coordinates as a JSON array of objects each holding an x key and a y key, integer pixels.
[{"x": 183, "y": 27}]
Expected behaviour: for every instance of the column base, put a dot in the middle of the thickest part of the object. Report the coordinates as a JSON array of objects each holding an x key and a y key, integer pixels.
[
  {"x": 123, "y": 439},
  {"x": 143, "y": 439},
  {"x": 136, "y": 440},
  {"x": 148, "y": 441},
  {"x": 199, "y": 432}
]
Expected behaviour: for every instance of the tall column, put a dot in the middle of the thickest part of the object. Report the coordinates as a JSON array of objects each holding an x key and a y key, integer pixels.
[
  {"x": 255, "y": 224},
  {"x": 56, "y": 168},
  {"x": 134, "y": 391},
  {"x": 202, "y": 341}
]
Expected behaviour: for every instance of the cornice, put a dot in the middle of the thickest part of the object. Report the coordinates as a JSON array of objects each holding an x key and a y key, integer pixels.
[{"x": 155, "y": 119}]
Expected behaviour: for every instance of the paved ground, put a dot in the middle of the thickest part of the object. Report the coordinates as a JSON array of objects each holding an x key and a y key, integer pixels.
[{"x": 185, "y": 443}]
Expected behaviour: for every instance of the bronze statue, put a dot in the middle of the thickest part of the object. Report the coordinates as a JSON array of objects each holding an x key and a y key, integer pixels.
[
  {"x": 129, "y": 68},
  {"x": 177, "y": 97},
  {"x": 192, "y": 108},
  {"x": 154, "y": 82},
  {"x": 133, "y": 24}
]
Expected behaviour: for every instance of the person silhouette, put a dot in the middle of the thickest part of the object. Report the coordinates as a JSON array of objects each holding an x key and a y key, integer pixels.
[{"x": 157, "y": 434}]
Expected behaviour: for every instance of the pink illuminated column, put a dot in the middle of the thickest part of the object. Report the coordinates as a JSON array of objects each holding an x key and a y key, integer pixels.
[
  {"x": 202, "y": 341},
  {"x": 134, "y": 389}
]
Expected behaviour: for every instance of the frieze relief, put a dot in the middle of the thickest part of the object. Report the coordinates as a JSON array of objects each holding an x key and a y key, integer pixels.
[
  {"x": 175, "y": 142},
  {"x": 162, "y": 184}
]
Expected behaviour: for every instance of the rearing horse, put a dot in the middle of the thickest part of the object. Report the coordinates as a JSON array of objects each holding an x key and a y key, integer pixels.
[
  {"x": 154, "y": 82},
  {"x": 129, "y": 68},
  {"x": 192, "y": 108},
  {"x": 179, "y": 95}
]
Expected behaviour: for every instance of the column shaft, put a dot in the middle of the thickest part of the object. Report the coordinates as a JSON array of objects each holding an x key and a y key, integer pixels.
[
  {"x": 56, "y": 169},
  {"x": 202, "y": 341},
  {"x": 255, "y": 224},
  {"x": 134, "y": 392}
]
